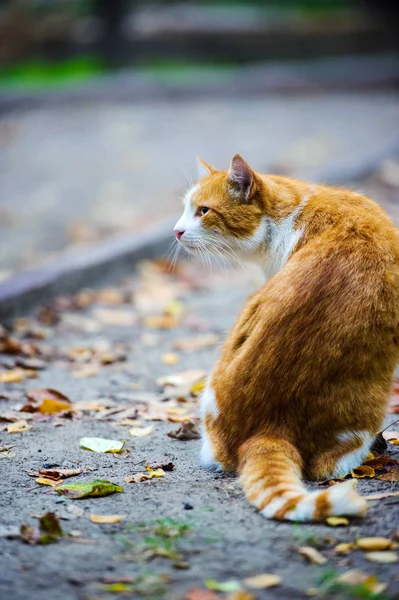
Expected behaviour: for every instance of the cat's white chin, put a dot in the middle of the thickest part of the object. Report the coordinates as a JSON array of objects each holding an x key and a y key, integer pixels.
[{"x": 189, "y": 248}]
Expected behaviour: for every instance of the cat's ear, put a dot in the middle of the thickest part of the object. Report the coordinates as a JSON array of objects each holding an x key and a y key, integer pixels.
[
  {"x": 203, "y": 168},
  {"x": 242, "y": 177}
]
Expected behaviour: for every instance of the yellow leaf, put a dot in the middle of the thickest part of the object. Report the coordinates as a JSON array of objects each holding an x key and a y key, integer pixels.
[
  {"x": 154, "y": 472},
  {"x": 337, "y": 521},
  {"x": 50, "y": 407},
  {"x": 180, "y": 419},
  {"x": 174, "y": 308},
  {"x": 141, "y": 431},
  {"x": 263, "y": 581},
  {"x": 45, "y": 481},
  {"x": 18, "y": 427},
  {"x": 363, "y": 471},
  {"x": 374, "y": 543},
  {"x": 185, "y": 378},
  {"x": 103, "y": 519},
  {"x": 382, "y": 557},
  {"x": 170, "y": 358},
  {"x": 198, "y": 387},
  {"x": 312, "y": 555},
  {"x": 13, "y": 376},
  {"x": 161, "y": 322},
  {"x": 344, "y": 548}
]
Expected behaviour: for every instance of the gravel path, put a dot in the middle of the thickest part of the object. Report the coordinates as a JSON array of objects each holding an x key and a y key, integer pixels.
[{"x": 109, "y": 348}]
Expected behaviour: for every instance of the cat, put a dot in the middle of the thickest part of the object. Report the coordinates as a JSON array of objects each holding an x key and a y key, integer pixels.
[{"x": 301, "y": 386}]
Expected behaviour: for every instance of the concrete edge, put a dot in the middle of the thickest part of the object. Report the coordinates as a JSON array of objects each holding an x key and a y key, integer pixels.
[
  {"x": 75, "y": 270},
  {"x": 115, "y": 258}
]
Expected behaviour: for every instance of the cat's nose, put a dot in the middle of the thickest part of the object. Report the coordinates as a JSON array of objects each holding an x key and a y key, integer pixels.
[{"x": 178, "y": 233}]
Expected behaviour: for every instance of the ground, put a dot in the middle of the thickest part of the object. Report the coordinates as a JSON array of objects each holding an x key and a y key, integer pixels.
[
  {"x": 139, "y": 328},
  {"x": 75, "y": 174}
]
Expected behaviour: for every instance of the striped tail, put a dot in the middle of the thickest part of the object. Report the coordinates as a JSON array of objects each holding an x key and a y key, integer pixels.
[{"x": 270, "y": 473}]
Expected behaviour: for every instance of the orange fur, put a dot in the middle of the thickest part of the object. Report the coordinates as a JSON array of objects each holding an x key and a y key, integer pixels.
[{"x": 302, "y": 382}]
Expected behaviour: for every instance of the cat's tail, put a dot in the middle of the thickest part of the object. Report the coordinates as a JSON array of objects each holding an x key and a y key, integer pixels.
[{"x": 270, "y": 473}]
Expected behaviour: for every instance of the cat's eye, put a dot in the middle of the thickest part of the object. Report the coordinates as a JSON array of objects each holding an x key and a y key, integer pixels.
[{"x": 203, "y": 210}]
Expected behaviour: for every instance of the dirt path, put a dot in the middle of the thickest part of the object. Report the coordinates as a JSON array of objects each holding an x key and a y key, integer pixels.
[{"x": 108, "y": 349}]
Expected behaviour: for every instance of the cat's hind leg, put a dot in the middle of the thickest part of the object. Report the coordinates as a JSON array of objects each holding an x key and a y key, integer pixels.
[{"x": 349, "y": 451}]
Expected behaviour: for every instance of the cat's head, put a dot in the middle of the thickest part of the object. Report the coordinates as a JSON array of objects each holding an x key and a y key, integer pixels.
[{"x": 223, "y": 212}]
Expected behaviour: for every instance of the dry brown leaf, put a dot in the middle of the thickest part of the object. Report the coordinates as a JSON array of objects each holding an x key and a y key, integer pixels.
[
  {"x": 169, "y": 466},
  {"x": 110, "y": 296},
  {"x": 374, "y": 543},
  {"x": 312, "y": 555},
  {"x": 344, "y": 548},
  {"x": 240, "y": 595},
  {"x": 170, "y": 358},
  {"x": 382, "y": 557},
  {"x": 57, "y": 474},
  {"x": 263, "y": 581},
  {"x": 18, "y": 427},
  {"x": 199, "y": 342},
  {"x": 363, "y": 471},
  {"x": 141, "y": 431},
  {"x": 104, "y": 519},
  {"x": 161, "y": 322},
  {"x": 46, "y": 401},
  {"x": 188, "y": 431},
  {"x": 337, "y": 521}
]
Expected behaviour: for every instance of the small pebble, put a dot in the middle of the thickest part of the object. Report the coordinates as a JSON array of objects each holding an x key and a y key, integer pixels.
[{"x": 188, "y": 506}]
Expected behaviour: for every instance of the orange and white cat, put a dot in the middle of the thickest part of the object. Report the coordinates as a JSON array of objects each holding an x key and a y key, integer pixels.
[{"x": 302, "y": 383}]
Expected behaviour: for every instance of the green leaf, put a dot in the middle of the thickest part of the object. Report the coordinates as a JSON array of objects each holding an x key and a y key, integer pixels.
[
  {"x": 227, "y": 586},
  {"x": 50, "y": 528},
  {"x": 83, "y": 489},
  {"x": 101, "y": 445}
]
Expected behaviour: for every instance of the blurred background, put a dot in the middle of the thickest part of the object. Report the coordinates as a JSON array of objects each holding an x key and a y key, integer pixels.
[{"x": 104, "y": 106}]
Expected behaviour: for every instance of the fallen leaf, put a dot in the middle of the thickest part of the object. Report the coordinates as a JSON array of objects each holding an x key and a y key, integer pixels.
[
  {"x": 312, "y": 555},
  {"x": 337, "y": 521},
  {"x": 198, "y": 387},
  {"x": 344, "y": 548},
  {"x": 150, "y": 474},
  {"x": 46, "y": 481},
  {"x": 391, "y": 435},
  {"x": 85, "y": 371},
  {"x": 46, "y": 401},
  {"x": 374, "y": 543},
  {"x": 226, "y": 586},
  {"x": 382, "y": 557},
  {"x": 201, "y": 594},
  {"x": 18, "y": 427},
  {"x": 161, "y": 322},
  {"x": 141, "y": 431},
  {"x": 363, "y": 471},
  {"x": 188, "y": 431},
  {"x": 199, "y": 342},
  {"x": 169, "y": 466},
  {"x": 263, "y": 581},
  {"x": 240, "y": 595},
  {"x": 181, "y": 418},
  {"x": 101, "y": 445},
  {"x": 185, "y": 378},
  {"x": 381, "y": 496},
  {"x": 16, "y": 375},
  {"x": 56, "y": 474},
  {"x": 110, "y": 296},
  {"x": 170, "y": 358},
  {"x": 84, "y": 489},
  {"x": 49, "y": 530},
  {"x": 355, "y": 578},
  {"x": 103, "y": 519},
  {"x": 115, "y": 318}
]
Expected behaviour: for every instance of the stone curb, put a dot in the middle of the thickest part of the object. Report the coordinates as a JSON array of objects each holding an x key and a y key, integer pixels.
[
  {"x": 75, "y": 270},
  {"x": 115, "y": 258}
]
